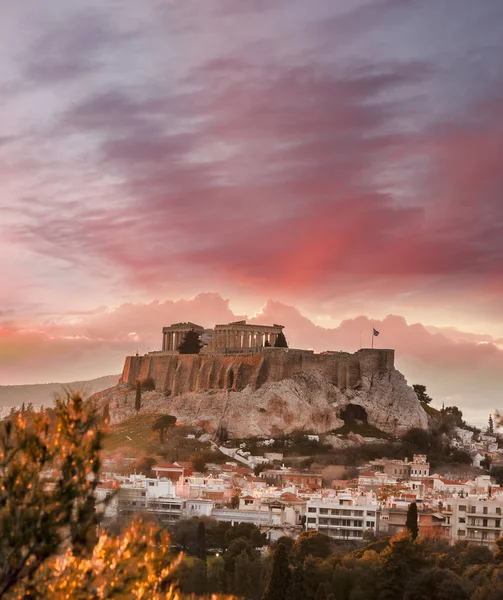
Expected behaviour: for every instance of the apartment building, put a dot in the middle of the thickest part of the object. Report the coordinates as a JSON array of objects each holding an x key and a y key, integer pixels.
[
  {"x": 343, "y": 517},
  {"x": 472, "y": 518},
  {"x": 402, "y": 469}
]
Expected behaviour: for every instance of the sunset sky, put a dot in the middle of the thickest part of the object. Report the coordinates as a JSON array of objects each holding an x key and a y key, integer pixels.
[{"x": 329, "y": 165}]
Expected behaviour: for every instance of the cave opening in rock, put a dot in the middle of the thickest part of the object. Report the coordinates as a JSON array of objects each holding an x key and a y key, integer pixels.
[
  {"x": 230, "y": 379},
  {"x": 354, "y": 413}
]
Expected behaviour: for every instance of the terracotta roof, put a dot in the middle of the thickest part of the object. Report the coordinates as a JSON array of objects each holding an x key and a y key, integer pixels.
[
  {"x": 109, "y": 485},
  {"x": 289, "y": 497},
  {"x": 367, "y": 474}
]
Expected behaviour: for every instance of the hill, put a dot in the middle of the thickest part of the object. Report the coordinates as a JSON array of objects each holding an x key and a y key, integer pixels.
[{"x": 44, "y": 393}]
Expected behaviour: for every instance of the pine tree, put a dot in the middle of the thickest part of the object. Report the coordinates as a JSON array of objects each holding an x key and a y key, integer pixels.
[
  {"x": 277, "y": 584},
  {"x": 411, "y": 521},
  {"x": 281, "y": 341},
  {"x": 191, "y": 343},
  {"x": 162, "y": 423},
  {"x": 137, "y": 402}
]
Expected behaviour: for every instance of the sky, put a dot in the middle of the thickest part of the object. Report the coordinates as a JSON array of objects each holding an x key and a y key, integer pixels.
[{"x": 330, "y": 165}]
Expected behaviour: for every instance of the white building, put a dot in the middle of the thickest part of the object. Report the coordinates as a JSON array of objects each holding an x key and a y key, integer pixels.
[
  {"x": 342, "y": 518},
  {"x": 476, "y": 519}
]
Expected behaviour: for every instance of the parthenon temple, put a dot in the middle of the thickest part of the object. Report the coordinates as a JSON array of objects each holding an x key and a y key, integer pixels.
[{"x": 232, "y": 338}]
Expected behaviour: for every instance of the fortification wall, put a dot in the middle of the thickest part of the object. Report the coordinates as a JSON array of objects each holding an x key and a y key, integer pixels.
[{"x": 180, "y": 373}]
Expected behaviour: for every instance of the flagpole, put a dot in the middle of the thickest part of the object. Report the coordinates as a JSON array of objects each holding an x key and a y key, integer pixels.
[{"x": 372, "y": 336}]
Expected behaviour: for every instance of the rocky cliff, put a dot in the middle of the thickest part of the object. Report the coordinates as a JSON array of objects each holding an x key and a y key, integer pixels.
[{"x": 270, "y": 394}]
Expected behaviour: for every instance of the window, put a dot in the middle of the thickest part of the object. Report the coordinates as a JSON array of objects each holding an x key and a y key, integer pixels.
[
  {"x": 370, "y": 524},
  {"x": 311, "y": 509},
  {"x": 311, "y": 520},
  {"x": 498, "y": 510},
  {"x": 462, "y": 508},
  {"x": 461, "y": 520},
  {"x": 371, "y": 513},
  {"x": 323, "y": 511},
  {"x": 484, "y": 510},
  {"x": 497, "y": 522},
  {"x": 472, "y": 509},
  {"x": 461, "y": 532},
  {"x": 335, "y": 511},
  {"x": 484, "y": 522}
]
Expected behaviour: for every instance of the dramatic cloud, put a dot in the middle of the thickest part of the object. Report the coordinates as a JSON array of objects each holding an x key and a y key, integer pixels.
[{"x": 343, "y": 157}]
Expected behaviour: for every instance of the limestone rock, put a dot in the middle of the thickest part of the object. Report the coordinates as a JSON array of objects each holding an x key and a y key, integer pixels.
[{"x": 307, "y": 401}]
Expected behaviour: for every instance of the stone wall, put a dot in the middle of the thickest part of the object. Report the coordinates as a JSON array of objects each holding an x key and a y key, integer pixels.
[{"x": 177, "y": 373}]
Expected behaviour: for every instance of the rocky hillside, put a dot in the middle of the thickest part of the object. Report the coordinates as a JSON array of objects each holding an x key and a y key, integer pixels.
[{"x": 306, "y": 401}]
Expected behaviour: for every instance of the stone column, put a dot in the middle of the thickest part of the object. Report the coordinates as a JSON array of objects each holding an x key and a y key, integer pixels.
[
  {"x": 273, "y": 337},
  {"x": 245, "y": 339}
]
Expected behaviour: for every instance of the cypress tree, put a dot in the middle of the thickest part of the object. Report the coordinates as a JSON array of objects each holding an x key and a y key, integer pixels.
[
  {"x": 411, "y": 522},
  {"x": 277, "y": 584},
  {"x": 201, "y": 541},
  {"x": 137, "y": 402},
  {"x": 490, "y": 428},
  {"x": 281, "y": 341},
  {"x": 296, "y": 589}
]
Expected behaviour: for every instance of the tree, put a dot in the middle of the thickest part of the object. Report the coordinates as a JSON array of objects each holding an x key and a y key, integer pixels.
[
  {"x": 137, "y": 402},
  {"x": 235, "y": 500},
  {"x": 312, "y": 543},
  {"x": 490, "y": 427},
  {"x": 162, "y": 423},
  {"x": 191, "y": 343},
  {"x": 106, "y": 413},
  {"x": 297, "y": 588},
  {"x": 281, "y": 341},
  {"x": 35, "y": 521},
  {"x": 144, "y": 465},
  {"x": 201, "y": 541},
  {"x": 198, "y": 463},
  {"x": 421, "y": 393},
  {"x": 48, "y": 547},
  {"x": 411, "y": 522},
  {"x": 279, "y": 577}
]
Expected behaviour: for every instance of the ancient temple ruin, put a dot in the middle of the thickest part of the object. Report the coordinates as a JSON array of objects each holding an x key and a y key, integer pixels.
[{"x": 231, "y": 338}]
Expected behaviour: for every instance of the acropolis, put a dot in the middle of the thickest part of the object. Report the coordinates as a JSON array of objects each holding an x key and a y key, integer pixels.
[{"x": 232, "y": 338}]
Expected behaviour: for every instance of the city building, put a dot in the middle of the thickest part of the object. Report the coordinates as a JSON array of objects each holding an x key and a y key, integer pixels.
[
  {"x": 472, "y": 518},
  {"x": 343, "y": 517}
]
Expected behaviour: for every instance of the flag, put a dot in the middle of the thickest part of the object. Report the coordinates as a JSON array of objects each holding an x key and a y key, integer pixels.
[{"x": 376, "y": 333}]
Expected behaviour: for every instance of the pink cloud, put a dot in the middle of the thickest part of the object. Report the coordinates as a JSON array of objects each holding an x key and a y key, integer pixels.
[{"x": 457, "y": 368}]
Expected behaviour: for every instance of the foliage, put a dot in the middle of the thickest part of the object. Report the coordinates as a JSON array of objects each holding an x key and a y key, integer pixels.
[
  {"x": 147, "y": 384},
  {"x": 421, "y": 393},
  {"x": 137, "y": 402},
  {"x": 106, "y": 414},
  {"x": 411, "y": 522},
  {"x": 191, "y": 343},
  {"x": 279, "y": 577},
  {"x": 49, "y": 475},
  {"x": 198, "y": 463},
  {"x": 281, "y": 341},
  {"x": 144, "y": 465},
  {"x": 162, "y": 423},
  {"x": 49, "y": 544},
  {"x": 490, "y": 425}
]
